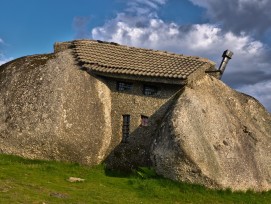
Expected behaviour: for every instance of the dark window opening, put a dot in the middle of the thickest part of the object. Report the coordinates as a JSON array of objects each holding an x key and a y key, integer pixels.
[
  {"x": 149, "y": 90},
  {"x": 144, "y": 120},
  {"x": 124, "y": 86},
  {"x": 125, "y": 127}
]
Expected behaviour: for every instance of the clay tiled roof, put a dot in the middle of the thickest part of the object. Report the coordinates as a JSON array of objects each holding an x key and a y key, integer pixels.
[{"x": 112, "y": 58}]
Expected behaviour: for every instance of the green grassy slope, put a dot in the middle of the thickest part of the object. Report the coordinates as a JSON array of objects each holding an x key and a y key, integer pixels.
[{"x": 33, "y": 181}]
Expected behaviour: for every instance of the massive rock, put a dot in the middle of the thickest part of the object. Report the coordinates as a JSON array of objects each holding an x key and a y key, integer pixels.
[
  {"x": 50, "y": 109},
  {"x": 216, "y": 137},
  {"x": 210, "y": 135}
]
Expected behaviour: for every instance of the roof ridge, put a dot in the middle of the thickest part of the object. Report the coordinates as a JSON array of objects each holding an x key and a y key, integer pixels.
[{"x": 154, "y": 51}]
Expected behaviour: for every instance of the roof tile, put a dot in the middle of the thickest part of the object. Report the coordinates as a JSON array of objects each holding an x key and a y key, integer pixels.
[{"x": 112, "y": 58}]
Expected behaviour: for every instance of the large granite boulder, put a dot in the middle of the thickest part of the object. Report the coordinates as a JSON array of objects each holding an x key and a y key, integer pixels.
[
  {"x": 50, "y": 109},
  {"x": 216, "y": 137},
  {"x": 210, "y": 135}
]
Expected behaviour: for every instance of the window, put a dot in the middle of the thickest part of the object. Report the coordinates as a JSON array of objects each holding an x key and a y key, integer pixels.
[
  {"x": 125, "y": 127},
  {"x": 144, "y": 120},
  {"x": 124, "y": 86},
  {"x": 149, "y": 90}
]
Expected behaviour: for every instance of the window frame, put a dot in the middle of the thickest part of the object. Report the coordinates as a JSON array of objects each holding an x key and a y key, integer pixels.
[
  {"x": 144, "y": 121},
  {"x": 126, "y": 122},
  {"x": 150, "y": 90},
  {"x": 124, "y": 86}
]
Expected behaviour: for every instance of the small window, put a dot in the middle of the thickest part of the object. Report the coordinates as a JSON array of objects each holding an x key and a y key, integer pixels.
[
  {"x": 125, "y": 127},
  {"x": 124, "y": 86},
  {"x": 149, "y": 90},
  {"x": 144, "y": 120}
]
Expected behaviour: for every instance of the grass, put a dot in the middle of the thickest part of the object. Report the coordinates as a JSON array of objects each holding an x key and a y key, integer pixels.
[{"x": 45, "y": 182}]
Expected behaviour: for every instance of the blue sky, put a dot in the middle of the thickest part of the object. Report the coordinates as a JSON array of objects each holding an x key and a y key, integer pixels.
[
  {"x": 31, "y": 26},
  {"x": 193, "y": 27}
]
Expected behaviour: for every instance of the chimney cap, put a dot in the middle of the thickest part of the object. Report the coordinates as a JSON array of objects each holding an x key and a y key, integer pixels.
[{"x": 228, "y": 54}]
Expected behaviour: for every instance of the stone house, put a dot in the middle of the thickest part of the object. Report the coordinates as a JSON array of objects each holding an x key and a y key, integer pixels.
[
  {"x": 92, "y": 102},
  {"x": 143, "y": 84},
  {"x": 142, "y": 81}
]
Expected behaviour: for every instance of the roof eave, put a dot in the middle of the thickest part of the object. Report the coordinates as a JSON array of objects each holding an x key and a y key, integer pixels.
[{"x": 163, "y": 80}]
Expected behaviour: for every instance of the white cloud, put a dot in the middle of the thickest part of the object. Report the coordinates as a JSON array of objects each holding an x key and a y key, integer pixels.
[
  {"x": 261, "y": 91},
  {"x": 3, "y": 61},
  {"x": 250, "y": 16},
  {"x": 250, "y": 64},
  {"x": 154, "y": 4},
  {"x": 199, "y": 39},
  {"x": 143, "y": 7},
  {"x": 3, "y": 58}
]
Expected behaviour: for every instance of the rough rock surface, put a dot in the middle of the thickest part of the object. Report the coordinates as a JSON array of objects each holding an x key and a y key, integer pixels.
[
  {"x": 50, "y": 109},
  {"x": 216, "y": 137},
  {"x": 211, "y": 134}
]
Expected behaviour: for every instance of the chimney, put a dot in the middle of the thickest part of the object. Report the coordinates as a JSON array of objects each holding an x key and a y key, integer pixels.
[{"x": 227, "y": 55}]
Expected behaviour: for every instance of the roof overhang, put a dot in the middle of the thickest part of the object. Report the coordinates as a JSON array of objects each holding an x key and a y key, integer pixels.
[{"x": 140, "y": 78}]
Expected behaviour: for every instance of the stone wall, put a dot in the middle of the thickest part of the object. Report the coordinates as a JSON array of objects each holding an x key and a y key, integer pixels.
[
  {"x": 51, "y": 109},
  {"x": 135, "y": 103}
]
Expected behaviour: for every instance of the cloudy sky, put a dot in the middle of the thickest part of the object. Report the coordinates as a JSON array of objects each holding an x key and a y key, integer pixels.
[{"x": 192, "y": 27}]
